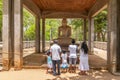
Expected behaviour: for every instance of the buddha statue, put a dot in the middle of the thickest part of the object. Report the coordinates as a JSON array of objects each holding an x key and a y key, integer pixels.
[
  {"x": 64, "y": 31},
  {"x": 64, "y": 35}
]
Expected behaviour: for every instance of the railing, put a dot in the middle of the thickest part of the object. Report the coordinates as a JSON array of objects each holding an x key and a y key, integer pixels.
[
  {"x": 28, "y": 44},
  {"x": 31, "y": 44}
]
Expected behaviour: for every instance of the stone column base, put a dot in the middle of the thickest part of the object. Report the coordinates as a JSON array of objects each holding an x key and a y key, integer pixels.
[
  {"x": 18, "y": 64},
  {"x": 6, "y": 64}
]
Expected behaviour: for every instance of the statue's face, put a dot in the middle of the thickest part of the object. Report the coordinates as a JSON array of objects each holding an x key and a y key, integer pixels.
[{"x": 64, "y": 23}]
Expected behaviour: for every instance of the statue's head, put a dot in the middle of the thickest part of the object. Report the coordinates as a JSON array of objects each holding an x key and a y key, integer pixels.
[{"x": 64, "y": 22}]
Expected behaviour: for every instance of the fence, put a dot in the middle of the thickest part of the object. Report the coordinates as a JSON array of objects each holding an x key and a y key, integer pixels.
[{"x": 31, "y": 44}]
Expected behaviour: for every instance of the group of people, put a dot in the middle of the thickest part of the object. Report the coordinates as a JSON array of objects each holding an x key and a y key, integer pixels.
[{"x": 55, "y": 55}]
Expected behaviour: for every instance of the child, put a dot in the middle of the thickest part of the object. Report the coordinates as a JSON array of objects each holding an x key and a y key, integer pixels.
[
  {"x": 49, "y": 61},
  {"x": 64, "y": 64},
  {"x": 84, "y": 65}
]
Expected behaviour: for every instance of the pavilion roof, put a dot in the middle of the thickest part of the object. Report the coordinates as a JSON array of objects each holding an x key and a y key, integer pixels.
[
  {"x": 65, "y": 5},
  {"x": 67, "y": 8}
]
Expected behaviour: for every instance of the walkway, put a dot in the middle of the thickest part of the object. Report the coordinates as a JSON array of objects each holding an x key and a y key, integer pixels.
[{"x": 40, "y": 74}]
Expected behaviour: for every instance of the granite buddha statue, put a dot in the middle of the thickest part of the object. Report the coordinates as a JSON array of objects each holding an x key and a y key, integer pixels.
[
  {"x": 64, "y": 35},
  {"x": 64, "y": 31}
]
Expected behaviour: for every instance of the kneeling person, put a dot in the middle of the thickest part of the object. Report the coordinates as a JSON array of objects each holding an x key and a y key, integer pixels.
[{"x": 64, "y": 64}]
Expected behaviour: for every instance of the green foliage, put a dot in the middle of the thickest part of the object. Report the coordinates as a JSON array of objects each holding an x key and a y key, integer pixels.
[
  {"x": 29, "y": 25},
  {"x": 52, "y": 28},
  {"x": 29, "y": 34},
  {"x": 101, "y": 25},
  {"x": 77, "y": 28}
]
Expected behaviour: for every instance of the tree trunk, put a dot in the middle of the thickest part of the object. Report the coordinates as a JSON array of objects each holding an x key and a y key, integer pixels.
[
  {"x": 98, "y": 36},
  {"x": 103, "y": 36}
]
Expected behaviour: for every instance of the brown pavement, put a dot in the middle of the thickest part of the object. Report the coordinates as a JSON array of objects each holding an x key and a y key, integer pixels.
[
  {"x": 97, "y": 62},
  {"x": 40, "y": 74}
]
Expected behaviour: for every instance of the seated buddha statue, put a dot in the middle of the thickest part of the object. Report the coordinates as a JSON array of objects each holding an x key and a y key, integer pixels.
[
  {"x": 64, "y": 31},
  {"x": 64, "y": 35}
]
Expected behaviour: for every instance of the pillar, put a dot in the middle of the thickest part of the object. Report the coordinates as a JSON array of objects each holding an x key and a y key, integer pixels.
[
  {"x": 91, "y": 35},
  {"x": 18, "y": 34},
  {"x": 37, "y": 33},
  {"x": 114, "y": 36},
  {"x": 7, "y": 34},
  {"x": 43, "y": 34},
  {"x": 84, "y": 27}
]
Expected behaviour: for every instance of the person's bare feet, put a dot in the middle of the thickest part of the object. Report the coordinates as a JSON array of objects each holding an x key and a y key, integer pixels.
[{"x": 82, "y": 73}]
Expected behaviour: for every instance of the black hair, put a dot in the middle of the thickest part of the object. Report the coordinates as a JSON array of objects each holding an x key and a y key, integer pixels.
[
  {"x": 48, "y": 52},
  {"x": 84, "y": 47},
  {"x": 55, "y": 41},
  {"x": 63, "y": 51},
  {"x": 73, "y": 41}
]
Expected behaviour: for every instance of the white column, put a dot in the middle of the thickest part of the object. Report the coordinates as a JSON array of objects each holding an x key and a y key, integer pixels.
[
  {"x": 91, "y": 35},
  {"x": 7, "y": 34},
  {"x": 37, "y": 33},
  {"x": 18, "y": 34},
  {"x": 114, "y": 36},
  {"x": 43, "y": 34}
]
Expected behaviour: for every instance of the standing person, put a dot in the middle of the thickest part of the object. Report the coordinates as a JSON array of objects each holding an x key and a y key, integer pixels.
[
  {"x": 83, "y": 66},
  {"x": 55, "y": 51},
  {"x": 72, "y": 56},
  {"x": 49, "y": 61},
  {"x": 64, "y": 64}
]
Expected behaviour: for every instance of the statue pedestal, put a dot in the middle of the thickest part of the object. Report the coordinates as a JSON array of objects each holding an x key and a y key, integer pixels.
[{"x": 64, "y": 42}]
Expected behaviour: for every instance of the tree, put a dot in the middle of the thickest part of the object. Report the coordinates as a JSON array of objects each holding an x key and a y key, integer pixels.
[
  {"x": 29, "y": 34},
  {"x": 52, "y": 28},
  {"x": 29, "y": 25},
  {"x": 101, "y": 25},
  {"x": 77, "y": 27}
]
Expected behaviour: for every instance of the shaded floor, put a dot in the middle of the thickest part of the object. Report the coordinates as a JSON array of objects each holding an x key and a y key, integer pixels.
[
  {"x": 34, "y": 60},
  {"x": 96, "y": 61}
]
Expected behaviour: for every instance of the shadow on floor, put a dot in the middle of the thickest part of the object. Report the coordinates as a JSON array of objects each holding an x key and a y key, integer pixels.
[
  {"x": 97, "y": 62},
  {"x": 34, "y": 60},
  {"x": 91, "y": 75}
]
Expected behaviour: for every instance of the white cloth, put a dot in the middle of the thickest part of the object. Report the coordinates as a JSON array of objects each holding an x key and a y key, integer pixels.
[
  {"x": 64, "y": 61},
  {"x": 84, "y": 66},
  {"x": 64, "y": 58},
  {"x": 55, "y": 50},
  {"x": 73, "y": 51}
]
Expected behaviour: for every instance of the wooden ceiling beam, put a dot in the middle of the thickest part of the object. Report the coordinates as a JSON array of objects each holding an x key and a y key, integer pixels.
[
  {"x": 98, "y": 7},
  {"x": 57, "y": 14},
  {"x": 32, "y": 7}
]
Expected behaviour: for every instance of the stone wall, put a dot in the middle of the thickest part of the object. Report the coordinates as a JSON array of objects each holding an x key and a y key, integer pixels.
[
  {"x": 30, "y": 44},
  {"x": 100, "y": 45}
]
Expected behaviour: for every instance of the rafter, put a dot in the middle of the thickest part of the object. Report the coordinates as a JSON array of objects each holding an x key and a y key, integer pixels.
[
  {"x": 57, "y": 14},
  {"x": 32, "y": 7},
  {"x": 98, "y": 7}
]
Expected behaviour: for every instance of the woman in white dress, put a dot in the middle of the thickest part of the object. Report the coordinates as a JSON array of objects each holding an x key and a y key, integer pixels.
[{"x": 83, "y": 66}]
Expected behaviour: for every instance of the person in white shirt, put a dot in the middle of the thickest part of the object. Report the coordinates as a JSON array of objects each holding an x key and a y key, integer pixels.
[
  {"x": 83, "y": 65},
  {"x": 72, "y": 56},
  {"x": 55, "y": 51}
]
